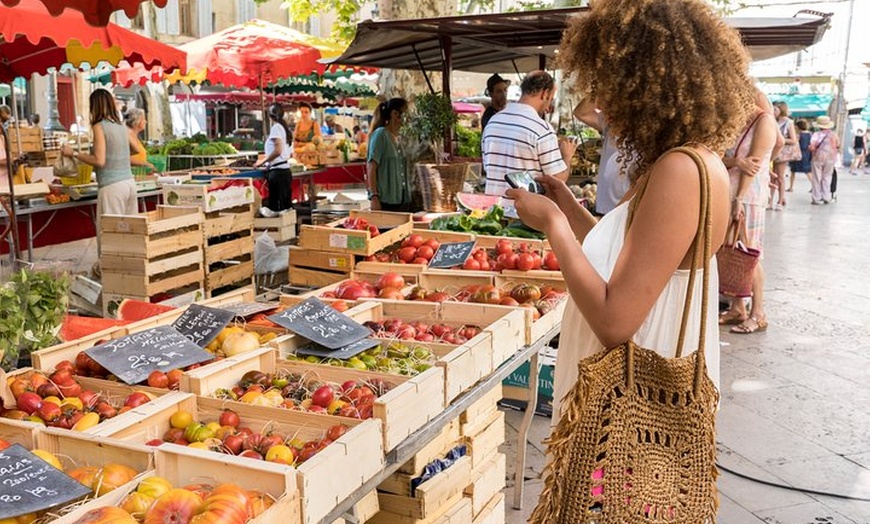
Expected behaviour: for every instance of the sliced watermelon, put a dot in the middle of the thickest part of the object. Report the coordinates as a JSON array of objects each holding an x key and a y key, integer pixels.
[
  {"x": 75, "y": 327},
  {"x": 134, "y": 310},
  {"x": 471, "y": 201}
]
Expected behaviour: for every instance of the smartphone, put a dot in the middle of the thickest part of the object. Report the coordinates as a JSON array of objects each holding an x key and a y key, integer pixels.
[{"x": 524, "y": 180}]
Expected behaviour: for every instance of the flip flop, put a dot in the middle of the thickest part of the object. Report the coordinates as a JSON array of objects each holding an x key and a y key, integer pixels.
[
  {"x": 731, "y": 318},
  {"x": 750, "y": 325}
]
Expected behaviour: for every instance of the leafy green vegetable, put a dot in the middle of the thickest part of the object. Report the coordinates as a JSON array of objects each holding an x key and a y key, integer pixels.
[
  {"x": 492, "y": 223},
  {"x": 11, "y": 324},
  {"x": 468, "y": 141},
  {"x": 45, "y": 302}
]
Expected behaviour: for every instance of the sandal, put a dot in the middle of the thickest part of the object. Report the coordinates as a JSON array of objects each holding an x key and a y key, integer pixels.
[
  {"x": 750, "y": 325},
  {"x": 731, "y": 318}
]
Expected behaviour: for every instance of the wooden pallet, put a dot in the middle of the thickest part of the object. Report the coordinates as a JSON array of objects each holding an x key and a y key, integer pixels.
[
  {"x": 357, "y": 456},
  {"x": 282, "y": 228},
  {"x": 229, "y": 248},
  {"x": 331, "y": 237}
]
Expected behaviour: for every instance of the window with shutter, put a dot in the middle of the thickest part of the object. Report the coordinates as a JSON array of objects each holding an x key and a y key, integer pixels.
[
  {"x": 185, "y": 17},
  {"x": 205, "y": 18},
  {"x": 172, "y": 18}
]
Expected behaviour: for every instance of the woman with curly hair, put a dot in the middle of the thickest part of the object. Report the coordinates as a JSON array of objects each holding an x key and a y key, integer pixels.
[{"x": 666, "y": 73}]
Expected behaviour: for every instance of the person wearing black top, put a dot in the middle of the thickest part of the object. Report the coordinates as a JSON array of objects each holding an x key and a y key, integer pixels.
[
  {"x": 496, "y": 90},
  {"x": 859, "y": 146}
]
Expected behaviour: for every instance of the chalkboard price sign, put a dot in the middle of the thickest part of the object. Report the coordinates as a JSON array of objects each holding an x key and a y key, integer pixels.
[
  {"x": 451, "y": 254},
  {"x": 247, "y": 309},
  {"x": 30, "y": 484},
  {"x": 134, "y": 357},
  {"x": 344, "y": 353},
  {"x": 202, "y": 324},
  {"x": 321, "y": 324}
]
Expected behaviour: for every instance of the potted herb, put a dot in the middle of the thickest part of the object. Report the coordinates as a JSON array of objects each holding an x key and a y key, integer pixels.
[{"x": 430, "y": 123}]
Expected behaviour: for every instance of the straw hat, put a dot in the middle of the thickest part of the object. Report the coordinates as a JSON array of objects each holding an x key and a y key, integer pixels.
[{"x": 824, "y": 122}]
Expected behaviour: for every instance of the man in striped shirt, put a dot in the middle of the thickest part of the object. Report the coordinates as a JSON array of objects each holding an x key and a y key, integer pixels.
[{"x": 518, "y": 139}]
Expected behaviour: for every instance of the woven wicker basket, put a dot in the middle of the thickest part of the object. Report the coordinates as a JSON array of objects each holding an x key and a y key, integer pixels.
[
  {"x": 736, "y": 262},
  {"x": 439, "y": 183}
]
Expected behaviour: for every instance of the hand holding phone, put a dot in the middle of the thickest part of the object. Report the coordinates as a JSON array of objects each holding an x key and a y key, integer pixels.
[{"x": 524, "y": 180}]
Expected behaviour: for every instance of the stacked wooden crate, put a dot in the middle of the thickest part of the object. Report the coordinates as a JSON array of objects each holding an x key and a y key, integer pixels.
[
  {"x": 282, "y": 228},
  {"x": 24, "y": 140},
  {"x": 327, "y": 253},
  {"x": 154, "y": 253},
  {"x": 440, "y": 499},
  {"x": 229, "y": 248},
  {"x": 483, "y": 429}
]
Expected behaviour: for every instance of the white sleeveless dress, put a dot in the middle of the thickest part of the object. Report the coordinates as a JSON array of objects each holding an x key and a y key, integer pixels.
[{"x": 661, "y": 328}]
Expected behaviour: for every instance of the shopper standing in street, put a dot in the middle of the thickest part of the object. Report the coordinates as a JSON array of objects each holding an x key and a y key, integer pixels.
[
  {"x": 780, "y": 163},
  {"x": 519, "y": 139},
  {"x": 802, "y": 165},
  {"x": 388, "y": 185},
  {"x": 824, "y": 147},
  {"x": 859, "y": 150},
  {"x": 612, "y": 179},
  {"x": 136, "y": 122}
]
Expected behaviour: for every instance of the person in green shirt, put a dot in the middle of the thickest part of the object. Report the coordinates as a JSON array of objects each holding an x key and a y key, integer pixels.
[{"x": 388, "y": 185}]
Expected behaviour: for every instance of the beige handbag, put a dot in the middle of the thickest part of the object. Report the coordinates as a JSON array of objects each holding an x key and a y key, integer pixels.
[{"x": 636, "y": 440}]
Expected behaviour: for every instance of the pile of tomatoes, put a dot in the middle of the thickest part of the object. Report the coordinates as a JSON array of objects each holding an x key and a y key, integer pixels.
[
  {"x": 360, "y": 224},
  {"x": 395, "y": 328},
  {"x": 388, "y": 286},
  {"x": 507, "y": 255}
]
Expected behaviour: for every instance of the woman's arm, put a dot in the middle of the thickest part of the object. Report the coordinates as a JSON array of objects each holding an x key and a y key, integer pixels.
[
  {"x": 372, "y": 181},
  {"x": 138, "y": 149},
  {"x": 579, "y": 218},
  {"x": 764, "y": 138},
  {"x": 664, "y": 227},
  {"x": 277, "y": 151},
  {"x": 98, "y": 159}
]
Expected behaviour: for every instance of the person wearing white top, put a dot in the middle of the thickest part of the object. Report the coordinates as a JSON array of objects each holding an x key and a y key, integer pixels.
[{"x": 277, "y": 150}]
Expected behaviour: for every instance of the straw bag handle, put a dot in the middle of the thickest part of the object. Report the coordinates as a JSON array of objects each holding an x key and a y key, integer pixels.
[
  {"x": 702, "y": 246},
  {"x": 736, "y": 232}
]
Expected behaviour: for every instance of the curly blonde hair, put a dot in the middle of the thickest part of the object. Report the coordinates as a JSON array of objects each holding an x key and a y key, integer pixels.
[{"x": 665, "y": 72}]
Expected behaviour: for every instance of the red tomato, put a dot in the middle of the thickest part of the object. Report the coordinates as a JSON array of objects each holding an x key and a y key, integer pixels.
[
  {"x": 550, "y": 262},
  {"x": 504, "y": 247},
  {"x": 414, "y": 241},
  {"x": 391, "y": 293},
  {"x": 425, "y": 252},
  {"x": 434, "y": 244},
  {"x": 471, "y": 264},
  {"x": 536, "y": 258},
  {"x": 391, "y": 280},
  {"x": 525, "y": 262},
  {"x": 408, "y": 254},
  {"x": 421, "y": 261}
]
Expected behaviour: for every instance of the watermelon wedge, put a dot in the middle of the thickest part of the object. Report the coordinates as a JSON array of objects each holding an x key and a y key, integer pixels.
[
  {"x": 471, "y": 201},
  {"x": 133, "y": 310},
  {"x": 75, "y": 327}
]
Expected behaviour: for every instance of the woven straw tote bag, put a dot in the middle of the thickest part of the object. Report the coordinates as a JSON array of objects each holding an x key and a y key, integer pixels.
[{"x": 636, "y": 440}]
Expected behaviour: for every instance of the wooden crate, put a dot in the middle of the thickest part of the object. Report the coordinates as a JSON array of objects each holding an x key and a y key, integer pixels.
[
  {"x": 18, "y": 432},
  {"x": 183, "y": 466},
  {"x": 323, "y": 481},
  {"x": 444, "y": 236},
  {"x": 229, "y": 248},
  {"x": 331, "y": 237},
  {"x": 486, "y": 483},
  {"x": 199, "y": 194},
  {"x": 431, "y": 496},
  {"x": 451, "y": 281},
  {"x": 484, "y": 443},
  {"x": 24, "y": 139},
  {"x": 364, "y": 510},
  {"x": 502, "y": 334},
  {"x": 483, "y": 408},
  {"x": 490, "y": 242},
  {"x": 151, "y": 235},
  {"x": 535, "y": 329},
  {"x": 322, "y": 260},
  {"x": 368, "y": 270},
  {"x": 446, "y": 440},
  {"x": 142, "y": 287},
  {"x": 493, "y": 512},
  {"x": 281, "y": 228},
  {"x": 404, "y": 409},
  {"x": 303, "y": 276}
]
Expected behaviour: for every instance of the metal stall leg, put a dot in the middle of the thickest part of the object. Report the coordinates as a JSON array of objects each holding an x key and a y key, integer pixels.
[{"x": 523, "y": 434}]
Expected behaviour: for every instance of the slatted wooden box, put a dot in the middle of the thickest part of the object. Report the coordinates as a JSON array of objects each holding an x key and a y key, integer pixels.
[
  {"x": 410, "y": 403},
  {"x": 438, "y": 500},
  {"x": 229, "y": 248},
  {"x": 332, "y": 237},
  {"x": 281, "y": 229},
  {"x": 323, "y": 481}
]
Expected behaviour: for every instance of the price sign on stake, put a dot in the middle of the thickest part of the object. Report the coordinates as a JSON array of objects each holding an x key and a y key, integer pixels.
[
  {"x": 134, "y": 357},
  {"x": 344, "y": 353},
  {"x": 30, "y": 484},
  {"x": 321, "y": 324},
  {"x": 451, "y": 254},
  {"x": 202, "y": 324}
]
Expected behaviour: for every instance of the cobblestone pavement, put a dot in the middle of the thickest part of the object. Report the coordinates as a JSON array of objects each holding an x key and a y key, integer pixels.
[{"x": 796, "y": 399}]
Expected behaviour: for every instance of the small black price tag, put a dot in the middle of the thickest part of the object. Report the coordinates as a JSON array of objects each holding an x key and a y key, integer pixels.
[
  {"x": 452, "y": 254},
  {"x": 321, "y": 324},
  {"x": 202, "y": 324}
]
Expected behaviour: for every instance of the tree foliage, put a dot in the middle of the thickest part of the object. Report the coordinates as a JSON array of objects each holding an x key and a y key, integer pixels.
[{"x": 346, "y": 12}]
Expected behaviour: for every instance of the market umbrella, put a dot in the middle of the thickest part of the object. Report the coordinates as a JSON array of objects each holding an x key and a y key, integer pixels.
[
  {"x": 253, "y": 55},
  {"x": 96, "y": 12},
  {"x": 34, "y": 41}
]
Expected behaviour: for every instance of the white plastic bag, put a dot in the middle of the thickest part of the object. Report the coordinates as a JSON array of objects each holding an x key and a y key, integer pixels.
[{"x": 269, "y": 257}]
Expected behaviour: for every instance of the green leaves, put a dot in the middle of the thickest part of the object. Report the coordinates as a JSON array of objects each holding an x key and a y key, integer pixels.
[{"x": 344, "y": 27}]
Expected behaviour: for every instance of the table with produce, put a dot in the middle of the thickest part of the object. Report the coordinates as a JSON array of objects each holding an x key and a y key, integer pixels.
[{"x": 374, "y": 396}]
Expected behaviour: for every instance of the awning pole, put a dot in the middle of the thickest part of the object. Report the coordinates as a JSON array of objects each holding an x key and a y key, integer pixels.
[
  {"x": 423, "y": 69},
  {"x": 446, "y": 76},
  {"x": 10, "y": 176}
]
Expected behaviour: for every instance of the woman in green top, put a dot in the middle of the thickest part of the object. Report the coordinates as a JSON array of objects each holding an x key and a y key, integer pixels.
[{"x": 388, "y": 185}]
